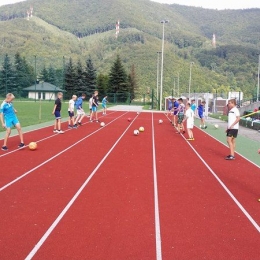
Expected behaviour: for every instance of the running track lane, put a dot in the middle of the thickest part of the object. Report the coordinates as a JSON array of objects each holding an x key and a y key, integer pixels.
[
  {"x": 113, "y": 218},
  {"x": 31, "y": 205},
  {"x": 24, "y": 160},
  {"x": 199, "y": 220}
]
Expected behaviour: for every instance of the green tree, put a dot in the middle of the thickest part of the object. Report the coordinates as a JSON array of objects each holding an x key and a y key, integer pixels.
[
  {"x": 102, "y": 83},
  {"x": 52, "y": 76},
  {"x": 118, "y": 81},
  {"x": 44, "y": 76},
  {"x": 90, "y": 77},
  {"x": 24, "y": 73},
  {"x": 70, "y": 79},
  {"x": 7, "y": 77},
  {"x": 80, "y": 78},
  {"x": 132, "y": 81}
]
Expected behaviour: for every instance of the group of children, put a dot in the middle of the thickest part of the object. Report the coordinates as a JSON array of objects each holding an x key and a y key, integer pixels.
[
  {"x": 77, "y": 102},
  {"x": 181, "y": 113}
]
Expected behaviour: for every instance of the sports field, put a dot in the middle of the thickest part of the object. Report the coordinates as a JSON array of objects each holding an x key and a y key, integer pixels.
[{"x": 103, "y": 193}]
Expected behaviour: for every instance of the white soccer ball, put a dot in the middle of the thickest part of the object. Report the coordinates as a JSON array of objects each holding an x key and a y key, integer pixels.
[
  {"x": 160, "y": 121},
  {"x": 248, "y": 118},
  {"x": 216, "y": 126},
  {"x": 136, "y": 132},
  {"x": 102, "y": 124}
]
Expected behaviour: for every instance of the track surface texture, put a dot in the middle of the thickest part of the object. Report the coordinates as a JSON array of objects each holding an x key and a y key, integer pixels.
[{"x": 103, "y": 193}]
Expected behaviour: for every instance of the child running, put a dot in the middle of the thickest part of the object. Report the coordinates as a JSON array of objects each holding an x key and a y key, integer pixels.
[
  {"x": 189, "y": 116},
  {"x": 94, "y": 107},
  {"x": 104, "y": 105},
  {"x": 71, "y": 112},
  {"x": 8, "y": 119},
  {"x": 180, "y": 115},
  {"x": 202, "y": 115},
  {"x": 80, "y": 111},
  {"x": 56, "y": 113}
]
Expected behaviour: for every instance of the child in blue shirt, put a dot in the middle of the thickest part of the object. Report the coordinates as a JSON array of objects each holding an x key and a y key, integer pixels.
[{"x": 8, "y": 119}]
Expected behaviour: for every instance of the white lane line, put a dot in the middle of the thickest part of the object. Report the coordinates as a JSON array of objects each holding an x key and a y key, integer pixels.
[
  {"x": 56, "y": 155},
  {"x": 68, "y": 206},
  {"x": 254, "y": 223},
  {"x": 156, "y": 201},
  {"x": 48, "y": 137}
]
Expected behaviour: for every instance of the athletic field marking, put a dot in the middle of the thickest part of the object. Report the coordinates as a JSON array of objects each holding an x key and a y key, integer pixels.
[
  {"x": 226, "y": 189},
  {"x": 48, "y": 137},
  {"x": 156, "y": 201},
  {"x": 56, "y": 155},
  {"x": 228, "y": 147},
  {"x": 68, "y": 206}
]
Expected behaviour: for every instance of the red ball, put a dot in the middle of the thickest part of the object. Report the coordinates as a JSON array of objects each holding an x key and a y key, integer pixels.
[{"x": 129, "y": 119}]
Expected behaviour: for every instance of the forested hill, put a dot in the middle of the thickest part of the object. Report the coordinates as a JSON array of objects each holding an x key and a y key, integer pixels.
[{"x": 79, "y": 28}]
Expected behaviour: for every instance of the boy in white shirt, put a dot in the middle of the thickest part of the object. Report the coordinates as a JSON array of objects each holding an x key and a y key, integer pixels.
[
  {"x": 189, "y": 116},
  {"x": 71, "y": 112},
  {"x": 232, "y": 129}
]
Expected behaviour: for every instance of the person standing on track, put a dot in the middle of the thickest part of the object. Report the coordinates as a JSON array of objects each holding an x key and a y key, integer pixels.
[
  {"x": 90, "y": 105},
  {"x": 193, "y": 106},
  {"x": 94, "y": 107},
  {"x": 202, "y": 115},
  {"x": 104, "y": 105},
  {"x": 170, "y": 104},
  {"x": 189, "y": 116},
  {"x": 80, "y": 111},
  {"x": 174, "y": 111},
  {"x": 232, "y": 129},
  {"x": 56, "y": 113},
  {"x": 8, "y": 119},
  {"x": 180, "y": 115},
  {"x": 71, "y": 123}
]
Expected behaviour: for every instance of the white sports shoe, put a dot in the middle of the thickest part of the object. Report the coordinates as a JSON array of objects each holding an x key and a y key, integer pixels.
[{"x": 60, "y": 132}]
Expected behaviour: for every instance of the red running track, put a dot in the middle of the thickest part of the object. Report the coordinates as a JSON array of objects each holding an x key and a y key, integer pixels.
[{"x": 113, "y": 216}]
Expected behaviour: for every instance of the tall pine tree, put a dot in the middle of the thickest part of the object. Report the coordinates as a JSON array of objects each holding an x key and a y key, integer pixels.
[
  {"x": 90, "y": 77},
  {"x": 102, "y": 83},
  {"x": 70, "y": 78},
  {"x": 7, "y": 77},
  {"x": 132, "y": 81},
  {"x": 52, "y": 76},
  {"x": 118, "y": 81},
  {"x": 44, "y": 75},
  {"x": 80, "y": 82}
]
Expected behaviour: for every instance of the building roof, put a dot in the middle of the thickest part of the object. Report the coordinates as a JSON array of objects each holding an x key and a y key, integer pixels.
[{"x": 44, "y": 87}]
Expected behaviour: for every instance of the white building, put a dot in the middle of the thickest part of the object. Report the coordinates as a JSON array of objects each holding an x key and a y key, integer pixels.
[{"x": 43, "y": 91}]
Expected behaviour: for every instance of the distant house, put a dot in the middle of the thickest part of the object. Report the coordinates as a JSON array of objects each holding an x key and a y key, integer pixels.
[{"x": 43, "y": 90}]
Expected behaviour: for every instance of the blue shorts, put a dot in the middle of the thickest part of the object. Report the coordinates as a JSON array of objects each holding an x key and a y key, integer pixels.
[
  {"x": 94, "y": 109},
  {"x": 71, "y": 114},
  {"x": 201, "y": 116},
  {"x": 57, "y": 115},
  {"x": 12, "y": 121},
  {"x": 104, "y": 106}
]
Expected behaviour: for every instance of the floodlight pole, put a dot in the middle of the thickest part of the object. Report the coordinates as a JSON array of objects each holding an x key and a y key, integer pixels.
[
  {"x": 190, "y": 78},
  {"x": 161, "y": 87},
  {"x": 258, "y": 83},
  {"x": 35, "y": 75},
  {"x": 158, "y": 68}
]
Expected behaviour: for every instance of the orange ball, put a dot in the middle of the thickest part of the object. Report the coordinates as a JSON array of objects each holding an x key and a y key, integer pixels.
[{"x": 32, "y": 146}]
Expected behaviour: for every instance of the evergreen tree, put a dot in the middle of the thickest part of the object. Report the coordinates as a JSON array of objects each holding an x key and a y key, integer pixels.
[
  {"x": 70, "y": 78},
  {"x": 44, "y": 75},
  {"x": 7, "y": 77},
  {"x": 118, "y": 81},
  {"x": 133, "y": 87},
  {"x": 102, "y": 83},
  {"x": 24, "y": 73},
  {"x": 90, "y": 77},
  {"x": 80, "y": 78},
  {"x": 52, "y": 76}
]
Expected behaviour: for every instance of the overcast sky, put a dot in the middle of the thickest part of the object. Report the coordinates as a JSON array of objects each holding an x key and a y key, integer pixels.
[{"x": 215, "y": 4}]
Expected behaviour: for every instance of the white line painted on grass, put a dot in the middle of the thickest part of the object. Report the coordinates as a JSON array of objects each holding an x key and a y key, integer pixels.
[
  {"x": 156, "y": 201},
  {"x": 56, "y": 155},
  {"x": 68, "y": 206},
  {"x": 48, "y": 137},
  {"x": 226, "y": 189}
]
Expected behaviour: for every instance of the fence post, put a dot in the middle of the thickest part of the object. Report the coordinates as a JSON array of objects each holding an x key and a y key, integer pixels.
[{"x": 152, "y": 98}]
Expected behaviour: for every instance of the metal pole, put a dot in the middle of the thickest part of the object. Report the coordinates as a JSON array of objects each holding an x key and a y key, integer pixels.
[
  {"x": 178, "y": 84},
  {"x": 161, "y": 87},
  {"x": 257, "y": 93},
  {"x": 190, "y": 77},
  {"x": 158, "y": 65},
  {"x": 35, "y": 75}
]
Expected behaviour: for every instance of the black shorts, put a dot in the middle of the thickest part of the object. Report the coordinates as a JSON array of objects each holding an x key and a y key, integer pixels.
[
  {"x": 232, "y": 133},
  {"x": 71, "y": 114}
]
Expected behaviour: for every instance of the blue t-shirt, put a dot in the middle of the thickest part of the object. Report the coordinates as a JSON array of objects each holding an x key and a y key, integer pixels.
[
  {"x": 79, "y": 103},
  {"x": 193, "y": 107},
  {"x": 104, "y": 102},
  {"x": 169, "y": 104},
  {"x": 7, "y": 110},
  {"x": 200, "y": 109}
]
